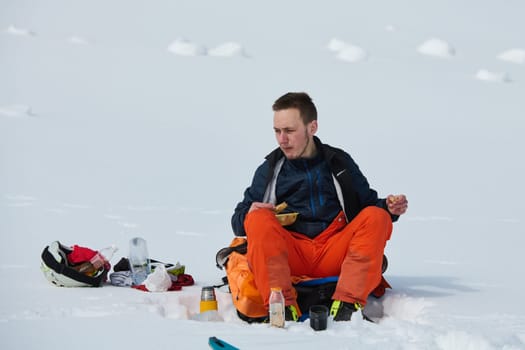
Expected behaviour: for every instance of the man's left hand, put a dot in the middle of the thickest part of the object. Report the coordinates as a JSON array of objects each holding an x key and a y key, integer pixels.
[{"x": 397, "y": 204}]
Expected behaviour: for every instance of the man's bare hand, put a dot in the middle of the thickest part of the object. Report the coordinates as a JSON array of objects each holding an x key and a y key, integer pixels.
[
  {"x": 259, "y": 205},
  {"x": 397, "y": 204}
]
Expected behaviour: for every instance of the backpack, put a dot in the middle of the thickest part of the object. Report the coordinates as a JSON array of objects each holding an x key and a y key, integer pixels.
[{"x": 246, "y": 297}]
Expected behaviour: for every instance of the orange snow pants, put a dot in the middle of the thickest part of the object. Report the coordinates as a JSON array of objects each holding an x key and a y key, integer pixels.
[{"x": 352, "y": 251}]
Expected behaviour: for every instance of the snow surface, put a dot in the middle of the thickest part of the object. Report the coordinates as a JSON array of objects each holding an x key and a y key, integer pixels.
[
  {"x": 437, "y": 47},
  {"x": 121, "y": 137},
  {"x": 513, "y": 55}
]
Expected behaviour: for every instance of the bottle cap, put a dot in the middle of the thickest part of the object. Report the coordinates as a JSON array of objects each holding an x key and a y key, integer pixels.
[{"x": 208, "y": 293}]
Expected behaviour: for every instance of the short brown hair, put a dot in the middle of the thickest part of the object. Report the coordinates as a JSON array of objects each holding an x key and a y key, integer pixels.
[{"x": 299, "y": 100}]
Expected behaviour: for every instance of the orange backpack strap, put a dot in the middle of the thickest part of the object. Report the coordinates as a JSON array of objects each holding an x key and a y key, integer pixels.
[{"x": 237, "y": 241}]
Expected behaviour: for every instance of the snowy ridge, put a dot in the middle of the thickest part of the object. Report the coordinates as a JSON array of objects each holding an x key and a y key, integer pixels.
[
  {"x": 498, "y": 77},
  {"x": 513, "y": 55},
  {"x": 347, "y": 52},
  {"x": 17, "y": 31},
  {"x": 437, "y": 48},
  {"x": 184, "y": 47}
]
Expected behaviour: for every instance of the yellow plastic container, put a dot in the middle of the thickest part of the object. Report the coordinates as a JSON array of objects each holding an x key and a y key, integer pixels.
[
  {"x": 208, "y": 305},
  {"x": 208, "y": 299}
]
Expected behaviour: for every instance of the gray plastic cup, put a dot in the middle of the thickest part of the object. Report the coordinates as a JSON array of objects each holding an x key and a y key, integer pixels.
[{"x": 318, "y": 317}]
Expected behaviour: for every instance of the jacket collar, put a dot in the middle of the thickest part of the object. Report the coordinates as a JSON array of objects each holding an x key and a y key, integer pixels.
[{"x": 277, "y": 154}]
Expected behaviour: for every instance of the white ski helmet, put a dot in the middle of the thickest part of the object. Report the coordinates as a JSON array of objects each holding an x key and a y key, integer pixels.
[{"x": 57, "y": 270}]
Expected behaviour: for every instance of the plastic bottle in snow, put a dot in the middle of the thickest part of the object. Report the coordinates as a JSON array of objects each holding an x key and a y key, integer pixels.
[
  {"x": 139, "y": 262},
  {"x": 276, "y": 307},
  {"x": 102, "y": 257}
]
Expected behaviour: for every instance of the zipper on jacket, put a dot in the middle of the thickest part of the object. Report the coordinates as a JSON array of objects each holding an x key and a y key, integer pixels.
[
  {"x": 320, "y": 193},
  {"x": 312, "y": 188}
]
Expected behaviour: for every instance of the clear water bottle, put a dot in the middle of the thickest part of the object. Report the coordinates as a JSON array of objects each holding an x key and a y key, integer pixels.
[
  {"x": 139, "y": 262},
  {"x": 103, "y": 256},
  {"x": 276, "y": 307}
]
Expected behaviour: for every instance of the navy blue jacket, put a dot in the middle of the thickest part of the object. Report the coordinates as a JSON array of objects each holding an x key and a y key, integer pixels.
[{"x": 307, "y": 186}]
